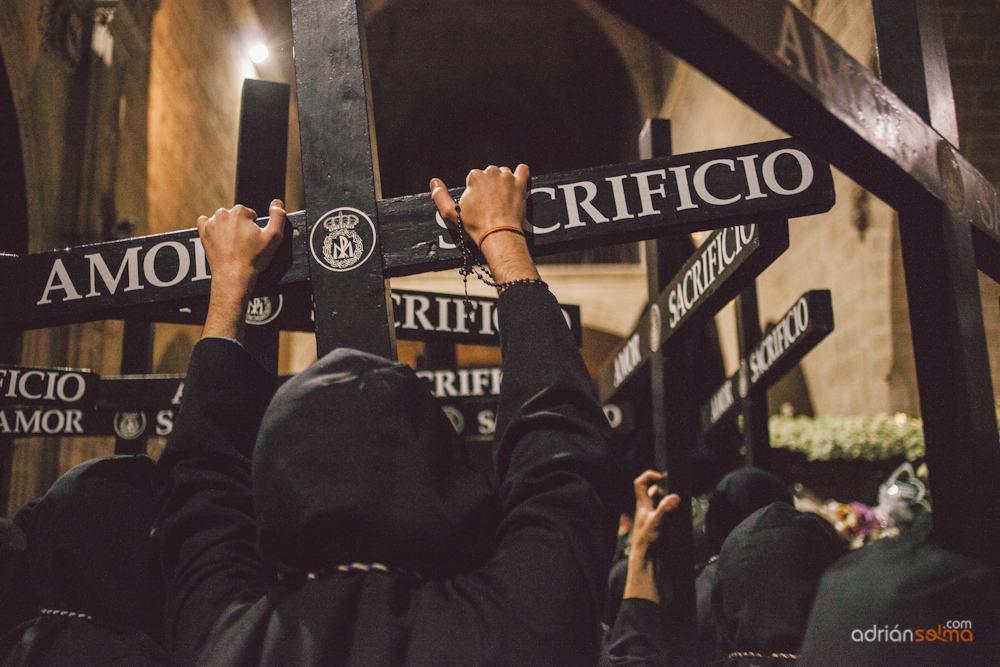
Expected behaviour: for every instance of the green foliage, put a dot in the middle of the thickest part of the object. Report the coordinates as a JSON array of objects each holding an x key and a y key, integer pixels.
[{"x": 848, "y": 438}]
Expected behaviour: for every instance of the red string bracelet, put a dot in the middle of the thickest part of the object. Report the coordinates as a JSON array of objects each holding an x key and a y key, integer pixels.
[{"x": 504, "y": 228}]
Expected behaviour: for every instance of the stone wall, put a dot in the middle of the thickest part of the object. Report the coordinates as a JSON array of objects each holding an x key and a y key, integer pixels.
[{"x": 79, "y": 78}]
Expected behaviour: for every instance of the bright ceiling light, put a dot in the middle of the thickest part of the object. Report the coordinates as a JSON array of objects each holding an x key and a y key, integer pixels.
[{"x": 259, "y": 53}]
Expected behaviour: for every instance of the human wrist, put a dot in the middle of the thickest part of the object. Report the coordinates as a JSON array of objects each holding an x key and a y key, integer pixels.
[
  {"x": 227, "y": 306},
  {"x": 637, "y": 555},
  {"x": 508, "y": 257}
]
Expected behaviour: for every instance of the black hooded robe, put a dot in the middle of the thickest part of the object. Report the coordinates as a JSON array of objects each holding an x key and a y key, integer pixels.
[
  {"x": 92, "y": 571},
  {"x": 533, "y": 600}
]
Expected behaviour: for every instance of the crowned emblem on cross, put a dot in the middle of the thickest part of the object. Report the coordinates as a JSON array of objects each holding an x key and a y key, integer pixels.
[{"x": 342, "y": 247}]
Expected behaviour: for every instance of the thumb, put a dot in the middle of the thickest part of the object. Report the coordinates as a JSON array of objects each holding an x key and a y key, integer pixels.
[
  {"x": 276, "y": 219},
  {"x": 445, "y": 204}
]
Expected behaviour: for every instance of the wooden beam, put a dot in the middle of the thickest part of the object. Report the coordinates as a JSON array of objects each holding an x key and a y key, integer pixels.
[
  {"x": 261, "y": 158},
  {"x": 781, "y": 64},
  {"x": 713, "y": 277},
  {"x": 798, "y": 331},
  {"x": 340, "y": 177},
  {"x": 631, "y": 202}
]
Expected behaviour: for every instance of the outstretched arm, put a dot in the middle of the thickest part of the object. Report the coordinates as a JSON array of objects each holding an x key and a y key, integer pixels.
[
  {"x": 640, "y": 582},
  {"x": 205, "y": 533},
  {"x": 551, "y": 448},
  {"x": 637, "y": 638}
]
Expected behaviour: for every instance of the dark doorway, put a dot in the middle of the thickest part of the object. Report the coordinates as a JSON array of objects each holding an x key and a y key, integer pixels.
[{"x": 459, "y": 84}]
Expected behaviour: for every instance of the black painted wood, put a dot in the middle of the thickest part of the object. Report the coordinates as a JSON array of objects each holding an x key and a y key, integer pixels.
[
  {"x": 672, "y": 439},
  {"x": 756, "y": 438},
  {"x": 797, "y": 333},
  {"x": 108, "y": 280},
  {"x": 340, "y": 179},
  {"x": 137, "y": 358},
  {"x": 655, "y": 141},
  {"x": 730, "y": 262},
  {"x": 783, "y": 66},
  {"x": 133, "y": 407},
  {"x": 800, "y": 79},
  {"x": 913, "y": 62},
  {"x": 626, "y": 204},
  {"x": 261, "y": 158},
  {"x": 420, "y": 316},
  {"x": 949, "y": 344}
]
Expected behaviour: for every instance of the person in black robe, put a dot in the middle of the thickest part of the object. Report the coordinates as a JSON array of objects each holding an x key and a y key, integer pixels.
[
  {"x": 905, "y": 601},
  {"x": 637, "y": 638},
  {"x": 98, "y": 588},
  {"x": 768, "y": 571},
  {"x": 17, "y": 595},
  {"x": 341, "y": 523},
  {"x": 737, "y": 495}
]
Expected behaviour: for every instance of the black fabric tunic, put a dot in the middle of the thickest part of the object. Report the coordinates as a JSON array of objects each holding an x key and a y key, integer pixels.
[
  {"x": 532, "y": 599},
  {"x": 637, "y": 639},
  {"x": 89, "y": 551},
  {"x": 17, "y": 596}
]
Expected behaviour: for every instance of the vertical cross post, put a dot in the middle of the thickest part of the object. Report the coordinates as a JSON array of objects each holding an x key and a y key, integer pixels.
[
  {"x": 353, "y": 307},
  {"x": 946, "y": 315},
  {"x": 261, "y": 158},
  {"x": 672, "y": 441},
  {"x": 137, "y": 359},
  {"x": 756, "y": 439}
]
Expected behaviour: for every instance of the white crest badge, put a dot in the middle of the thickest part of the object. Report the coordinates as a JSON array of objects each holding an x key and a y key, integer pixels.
[
  {"x": 262, "y": 310},
  {"x": 655, "y": 328},
  {"x": 455, "y": 417},
  {"x": 342, "y": 239},
  {"x": 129, "y": 425},
  {"x": 744, "y": 386}
]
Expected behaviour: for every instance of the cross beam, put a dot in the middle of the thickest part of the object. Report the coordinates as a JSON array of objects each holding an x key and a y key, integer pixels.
[
  {"x": 420, "y": 316},
  {"x": 784, "y": 66},
  {"x": 569, "y": 211},
  {"x": 798, "y": 331},
  {"x": 717, "y": 272},
  {"x": 60, "y": 401}
]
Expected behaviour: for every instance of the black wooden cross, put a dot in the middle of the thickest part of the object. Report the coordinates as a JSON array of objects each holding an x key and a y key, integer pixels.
[
  {"x": 718, "y": 271},
  {"x": 430, "y": 317},
  {"x": 897, "y": 139},
  {"x": 798, "y": 331},
  {"x": 569, "y": 211},
  {"x": 79, "y": 403}
]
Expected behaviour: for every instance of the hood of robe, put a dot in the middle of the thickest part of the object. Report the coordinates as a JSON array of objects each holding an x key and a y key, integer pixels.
[
  {"x": 89, "y": 546},
  {"x": 356, "y": 462},
  {"x": 768, "y": 572},
  {"x": 738, "y": 495},
  {"x": 891, "y": 601},
  {"x": 17, "y": 595}
]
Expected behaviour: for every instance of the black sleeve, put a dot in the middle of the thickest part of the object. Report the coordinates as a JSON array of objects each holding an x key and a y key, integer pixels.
[
  {"x": 553, "y": 461},
  {"x": 205, "y": 533},
  {"x": 637, "y": 640}
]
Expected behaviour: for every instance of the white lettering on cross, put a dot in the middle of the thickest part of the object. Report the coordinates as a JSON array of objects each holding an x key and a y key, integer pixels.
[
  {"x": 573, "y": 206},
  {"x": 551, "y": 192},
  {"x": 183, "y": 264},
  {"x": 130, "y": 262},
  {"x": 646, "y": 192},
  {"x": 65, "y": 284},
  {"x": 413, "y": 313},
  {"x": 702, "y": 189}
]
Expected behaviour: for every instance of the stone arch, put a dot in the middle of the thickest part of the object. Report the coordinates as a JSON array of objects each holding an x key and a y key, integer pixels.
[{"x": 458, "y": 84}]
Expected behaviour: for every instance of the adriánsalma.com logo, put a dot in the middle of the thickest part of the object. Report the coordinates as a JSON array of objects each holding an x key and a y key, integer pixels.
[{"x": 952, "y": 631}]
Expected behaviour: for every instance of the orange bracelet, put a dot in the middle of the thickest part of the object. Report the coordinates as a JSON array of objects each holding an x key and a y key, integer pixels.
[{"x": 506, "y": 228}]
